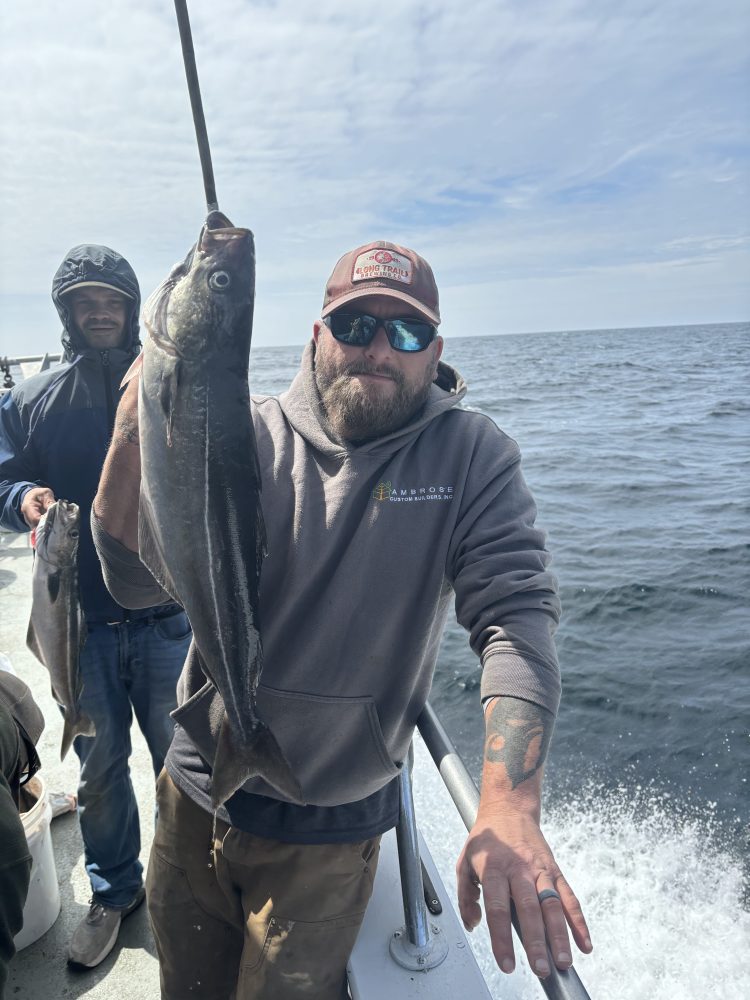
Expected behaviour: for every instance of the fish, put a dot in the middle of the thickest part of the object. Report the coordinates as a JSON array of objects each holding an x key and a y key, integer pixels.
[
  {"x": 57, "y": 628},
  {"x": 200, "y": 524}
]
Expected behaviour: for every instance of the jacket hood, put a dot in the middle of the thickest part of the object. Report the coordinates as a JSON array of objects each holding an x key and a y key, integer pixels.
[
  {"x": 304, "y": 410},
  {"x": 91, "y": 263}
]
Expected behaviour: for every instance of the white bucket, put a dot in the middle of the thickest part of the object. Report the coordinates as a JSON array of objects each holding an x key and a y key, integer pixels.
[{"x": 43, "y": 901}]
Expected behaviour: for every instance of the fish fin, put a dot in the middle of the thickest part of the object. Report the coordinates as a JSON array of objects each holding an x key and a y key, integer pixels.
[
  {"x": 259, "y": 756},
  {"x": 75, "y": 725},
  {"x": 133, "y": 371},
  {"x": 33, "y": 643},
  {"x": 53, "y": 586}
]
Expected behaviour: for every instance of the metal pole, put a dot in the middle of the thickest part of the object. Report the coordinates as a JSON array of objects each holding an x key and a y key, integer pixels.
[
  {"x": 191, "y": 72},
  {"x": 412, "y": 887},
  {"x": 29, "y": 359},
  {"x": 558, "y": 985}
]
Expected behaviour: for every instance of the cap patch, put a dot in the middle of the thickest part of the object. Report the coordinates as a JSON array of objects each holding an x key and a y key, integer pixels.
[{"x": 379, "y": 263}]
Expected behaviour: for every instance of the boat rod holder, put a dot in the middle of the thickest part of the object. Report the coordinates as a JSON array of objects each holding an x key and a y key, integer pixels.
[{"x": 559, "y": 985}]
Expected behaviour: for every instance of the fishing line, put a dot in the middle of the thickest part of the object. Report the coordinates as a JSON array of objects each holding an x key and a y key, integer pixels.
[{"x": 191, "y": 73}]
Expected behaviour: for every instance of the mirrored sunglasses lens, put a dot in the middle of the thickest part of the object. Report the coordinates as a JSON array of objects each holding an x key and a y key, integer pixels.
[
  {"x": 351, "y": 328},
  {"x": 409, "y": 335}
]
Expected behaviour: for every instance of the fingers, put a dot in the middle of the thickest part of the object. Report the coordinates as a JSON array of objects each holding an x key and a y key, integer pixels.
[
  {"x": 532, "y": 923},
  {"x": 511, "y": 861},
  {"x": 497, "y": 893},
  {"x": 468, "y": 895},
  {"x": 35, "y": 503},
  {"x": 543, "y": 922},
  {"x": 555, "y": 902},
  {"x": 574, "y": 915},
  {"x": 553, "y": 915}
]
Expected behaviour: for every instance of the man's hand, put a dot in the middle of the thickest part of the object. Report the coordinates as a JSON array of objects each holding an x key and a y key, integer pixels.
[
  {"x": 35, "y": 503},
  {"x": 506, "y": 853}
]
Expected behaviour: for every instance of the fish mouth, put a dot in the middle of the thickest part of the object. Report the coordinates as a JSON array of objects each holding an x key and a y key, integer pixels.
[
  {"x": 44, "y": 526},
  {"x": 218, "y": 229}
]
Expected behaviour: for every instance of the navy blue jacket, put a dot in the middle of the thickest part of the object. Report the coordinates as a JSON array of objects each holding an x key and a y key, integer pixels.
[{"x": 55, "y": 427}]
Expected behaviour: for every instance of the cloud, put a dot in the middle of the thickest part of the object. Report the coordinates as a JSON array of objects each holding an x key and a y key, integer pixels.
[{"x": 532, "y": 140}]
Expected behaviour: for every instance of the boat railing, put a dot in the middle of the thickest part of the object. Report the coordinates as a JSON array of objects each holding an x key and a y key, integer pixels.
[
  {"x": 42, "y": 361},
  {"x": 417, "y": 948}
]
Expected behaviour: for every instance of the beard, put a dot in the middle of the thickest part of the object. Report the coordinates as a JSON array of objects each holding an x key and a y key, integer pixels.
[{"x": 359, "y": 412}]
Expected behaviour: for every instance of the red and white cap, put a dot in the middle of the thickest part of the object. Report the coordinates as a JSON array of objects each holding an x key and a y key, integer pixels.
[{"x": 386, "y": 269}]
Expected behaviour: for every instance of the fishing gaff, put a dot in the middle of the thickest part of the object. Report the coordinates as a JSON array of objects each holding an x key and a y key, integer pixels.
[{"x": 191, "y": 73}]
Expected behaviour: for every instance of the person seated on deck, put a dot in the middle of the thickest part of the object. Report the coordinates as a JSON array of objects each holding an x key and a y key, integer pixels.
[
  {"x": 21, "y": 725},
  {"x": 54, "y": 432},
  {"x": 383, "y": 500}
]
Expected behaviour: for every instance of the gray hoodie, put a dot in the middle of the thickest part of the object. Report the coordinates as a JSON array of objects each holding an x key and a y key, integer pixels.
[{"x": 367, "y": 546}]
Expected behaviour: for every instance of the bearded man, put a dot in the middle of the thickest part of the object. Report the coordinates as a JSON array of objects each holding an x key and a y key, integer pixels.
[{"x": 384, "y": 501}]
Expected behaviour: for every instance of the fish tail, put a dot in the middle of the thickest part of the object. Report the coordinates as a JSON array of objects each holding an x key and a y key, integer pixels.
[
  {"x": 75, "y": 725},
  {"x": 259, "y": 756}
]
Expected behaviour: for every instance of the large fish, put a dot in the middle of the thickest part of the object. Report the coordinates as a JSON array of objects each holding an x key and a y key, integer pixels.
[
  {"x": 201, "y": 531},
  {"x": 57, "y": 629}
]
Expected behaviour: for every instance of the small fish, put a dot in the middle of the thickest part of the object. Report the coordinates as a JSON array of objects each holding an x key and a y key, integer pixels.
[
  {"x": 57, "y": 630},
  {"x": 201, "y": 530}
]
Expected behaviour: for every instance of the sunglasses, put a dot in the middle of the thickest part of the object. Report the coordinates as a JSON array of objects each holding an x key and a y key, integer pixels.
[{"x": 359, "y": 329}]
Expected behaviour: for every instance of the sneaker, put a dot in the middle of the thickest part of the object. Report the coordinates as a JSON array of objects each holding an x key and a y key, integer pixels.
[{"x": 95, "y": 936}]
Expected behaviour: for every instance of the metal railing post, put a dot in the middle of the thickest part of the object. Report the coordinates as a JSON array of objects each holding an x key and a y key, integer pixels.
[
  {"x": 413, "y": 946},
  {"x": 412, "y": 889}
]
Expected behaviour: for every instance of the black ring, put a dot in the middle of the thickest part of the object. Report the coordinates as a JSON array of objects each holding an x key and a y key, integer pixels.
[{"x": 548, "y": 894}]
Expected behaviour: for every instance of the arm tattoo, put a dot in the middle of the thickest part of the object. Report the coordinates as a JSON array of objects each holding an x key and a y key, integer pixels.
[
  {"x": 518, "y": 735},
  {"x": 126, "y": 430}
]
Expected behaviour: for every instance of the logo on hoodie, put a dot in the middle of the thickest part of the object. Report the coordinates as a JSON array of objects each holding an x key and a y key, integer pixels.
[{"x": 386, "y": 491}]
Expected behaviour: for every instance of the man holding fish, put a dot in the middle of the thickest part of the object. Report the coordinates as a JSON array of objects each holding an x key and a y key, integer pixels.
[
  {"x": 382, "y": 500},
  {"x": 54, "y": 432}
]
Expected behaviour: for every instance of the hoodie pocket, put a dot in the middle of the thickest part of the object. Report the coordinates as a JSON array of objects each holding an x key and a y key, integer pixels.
[{"x": 335, "y": 746}]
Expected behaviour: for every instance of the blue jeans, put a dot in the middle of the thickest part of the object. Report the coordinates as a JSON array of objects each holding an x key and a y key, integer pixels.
[{"x": 125, "y": 667}]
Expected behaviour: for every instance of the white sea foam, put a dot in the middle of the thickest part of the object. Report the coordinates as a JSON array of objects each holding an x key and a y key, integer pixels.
[{"x": 662, "y": 897}]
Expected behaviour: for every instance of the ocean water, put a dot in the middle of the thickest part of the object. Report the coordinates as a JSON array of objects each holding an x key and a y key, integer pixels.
[{"x": 636, "y": 444}]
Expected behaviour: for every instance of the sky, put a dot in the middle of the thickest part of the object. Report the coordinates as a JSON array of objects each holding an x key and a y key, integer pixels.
[{"x": 562, "y": 164}]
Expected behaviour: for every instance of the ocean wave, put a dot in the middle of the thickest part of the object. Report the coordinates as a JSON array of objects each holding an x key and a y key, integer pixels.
[
  {"x": 735, "y": 408},
  {"x": 630, "y": 599}
]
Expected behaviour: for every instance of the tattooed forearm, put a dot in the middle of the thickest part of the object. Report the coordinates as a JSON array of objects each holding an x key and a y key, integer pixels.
[{"x": 518, "y": 736}]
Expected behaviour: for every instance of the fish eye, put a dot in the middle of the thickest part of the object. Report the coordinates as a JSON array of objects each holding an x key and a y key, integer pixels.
[{"x": 219, "y": 281}]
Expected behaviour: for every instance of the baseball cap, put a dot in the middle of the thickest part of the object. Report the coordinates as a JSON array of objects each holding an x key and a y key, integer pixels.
[
  {"x": 98, "y": 284},
  {"x": 387, "y": 269}
]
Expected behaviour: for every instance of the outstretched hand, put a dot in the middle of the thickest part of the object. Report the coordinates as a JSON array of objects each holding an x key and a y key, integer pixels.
[{"x": 506, "y": 858}]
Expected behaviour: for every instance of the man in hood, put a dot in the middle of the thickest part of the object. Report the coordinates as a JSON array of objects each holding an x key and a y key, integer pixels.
[
  {"x": 384, "y": 500},
  {"x": 54, "y": 431}
]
